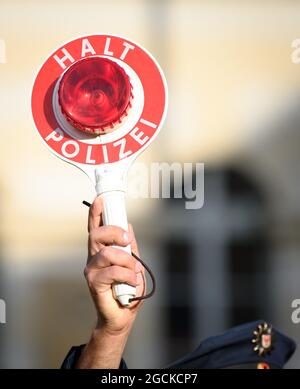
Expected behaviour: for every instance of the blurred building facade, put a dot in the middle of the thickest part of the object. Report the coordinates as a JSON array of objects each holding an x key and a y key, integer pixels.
[{"x": 234, "y": 95}]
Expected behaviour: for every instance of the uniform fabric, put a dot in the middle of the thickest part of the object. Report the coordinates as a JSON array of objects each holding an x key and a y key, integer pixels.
[{"x": 232, "y": 349}]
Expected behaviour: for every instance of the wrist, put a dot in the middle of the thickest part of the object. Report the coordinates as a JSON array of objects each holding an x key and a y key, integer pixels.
[
  {"x": 107, "y": 331},
  {"x": 104, "y": 349},
  {"x": 106, "y": 328},
  {"x": 108, "y": 341}
]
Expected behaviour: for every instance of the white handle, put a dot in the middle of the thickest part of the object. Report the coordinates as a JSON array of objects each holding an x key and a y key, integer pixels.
[{"x": 114, "y": 213}]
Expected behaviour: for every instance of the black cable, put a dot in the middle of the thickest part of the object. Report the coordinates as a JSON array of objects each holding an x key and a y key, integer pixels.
[{"x": 145, "y": 296}]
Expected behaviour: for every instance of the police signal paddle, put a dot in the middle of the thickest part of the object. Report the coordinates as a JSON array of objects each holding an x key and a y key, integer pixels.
[{"x": 98, "y": 102}]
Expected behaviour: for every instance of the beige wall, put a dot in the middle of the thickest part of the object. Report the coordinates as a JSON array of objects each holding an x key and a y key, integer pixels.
[{"x": 230, "y": 75}]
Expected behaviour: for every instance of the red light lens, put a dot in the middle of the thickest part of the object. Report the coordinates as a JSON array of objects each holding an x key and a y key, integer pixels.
[{"x": 94, "y": 93}]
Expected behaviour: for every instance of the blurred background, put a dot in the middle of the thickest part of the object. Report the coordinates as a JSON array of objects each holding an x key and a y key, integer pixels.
[{"x": 234, "y": 106}]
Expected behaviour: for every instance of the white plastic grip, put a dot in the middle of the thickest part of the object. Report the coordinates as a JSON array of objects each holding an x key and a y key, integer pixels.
[
  {"x": 114, "y": 213},
  {"x": 110, "y": 187}
]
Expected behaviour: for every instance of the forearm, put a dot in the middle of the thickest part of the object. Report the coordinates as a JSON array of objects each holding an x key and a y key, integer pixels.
[{"x": 103, "y": 351}]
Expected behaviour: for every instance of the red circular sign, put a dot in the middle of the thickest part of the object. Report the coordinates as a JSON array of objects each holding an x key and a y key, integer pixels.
[{"x": 107, "y": 150}]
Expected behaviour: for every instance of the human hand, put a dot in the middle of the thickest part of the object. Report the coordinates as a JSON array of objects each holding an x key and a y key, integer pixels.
[{"x": 107, "y": 265}]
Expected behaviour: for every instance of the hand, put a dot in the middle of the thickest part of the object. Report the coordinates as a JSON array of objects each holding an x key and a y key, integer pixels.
[{"x": 107, "y": 265}]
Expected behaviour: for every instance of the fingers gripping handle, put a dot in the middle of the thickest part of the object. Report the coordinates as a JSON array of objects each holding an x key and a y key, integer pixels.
[{"x": 110, "y": 186}]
